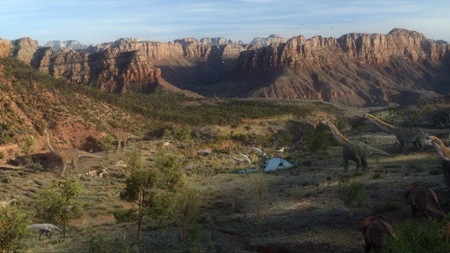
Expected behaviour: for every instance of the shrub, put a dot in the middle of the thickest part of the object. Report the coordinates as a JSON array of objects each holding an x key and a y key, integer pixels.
[
  {"x": 125, "y": 215},
  {"x": 353, "y": 194},
  {"x": 13, "y": 222},
  {"x": 108, "y": 143},
  {"x": 100, "y": 244}
]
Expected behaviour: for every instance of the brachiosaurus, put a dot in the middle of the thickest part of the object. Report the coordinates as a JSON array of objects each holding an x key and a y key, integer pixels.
[
  {"x": 121, "y": 137},
  {"x": 444, "y": 153},
  {"x": 404, "y": 135},
  {"x": 356, "y": 151},
  {"x": 67, "y": 155}
]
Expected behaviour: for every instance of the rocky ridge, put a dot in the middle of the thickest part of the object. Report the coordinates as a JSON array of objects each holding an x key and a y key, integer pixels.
[
  {"x": 355, "y": 69},
  {"x": 69, "y": 44}
]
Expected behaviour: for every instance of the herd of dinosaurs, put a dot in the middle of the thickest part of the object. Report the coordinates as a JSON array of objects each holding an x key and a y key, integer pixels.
[{"x": 421, "y": 199}]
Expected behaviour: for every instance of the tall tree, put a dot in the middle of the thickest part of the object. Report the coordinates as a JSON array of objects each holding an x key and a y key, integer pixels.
[{"x": 60, "y": 203}]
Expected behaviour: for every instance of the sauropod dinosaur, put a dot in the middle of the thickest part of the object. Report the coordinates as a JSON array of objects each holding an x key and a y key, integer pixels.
[
  {"x": 356, "y": 151},
  {"x": 67, "y": 155},
  {"x": 444, "y": 153},
  {"x": 414, "y": 135},
  {"x": 424, "y": 200},
  {"x": 46, "y": 228},
  {"x": 121, "y": 137},
  {"x": 374, "y": 229}
]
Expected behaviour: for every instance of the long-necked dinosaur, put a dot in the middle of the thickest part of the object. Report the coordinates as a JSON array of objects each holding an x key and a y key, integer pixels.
[
  {"x": 414, "y": 135},
  {"x": 356, "y": 151},
  {"x": 66, "y": 154},
  {"x": 121, "y": 137},
  {"x": 444, "y": 153}
]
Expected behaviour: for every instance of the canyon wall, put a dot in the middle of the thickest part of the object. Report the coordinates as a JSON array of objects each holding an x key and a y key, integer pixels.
[{"x": 355, "y": 69}]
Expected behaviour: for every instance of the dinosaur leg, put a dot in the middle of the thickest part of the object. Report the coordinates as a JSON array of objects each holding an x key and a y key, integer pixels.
[
  {"x": 358, "y": 165},
  {"x": 364, "y": 164},
  {"x": 40, "y": 233},
  {"x": 345, "y": 165},
  {"x": 74, "y": 163},
  {"x": 64, "y": 161},
  {"x": 367, "y": 248},
  {"x": 414, "y": 211}
]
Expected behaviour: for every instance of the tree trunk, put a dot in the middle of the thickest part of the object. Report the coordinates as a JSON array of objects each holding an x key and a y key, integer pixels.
[{"x": 64, "y": 221}]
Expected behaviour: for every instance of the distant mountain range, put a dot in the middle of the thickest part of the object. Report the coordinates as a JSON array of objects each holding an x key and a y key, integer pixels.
[{"x": 355, "y": 69}]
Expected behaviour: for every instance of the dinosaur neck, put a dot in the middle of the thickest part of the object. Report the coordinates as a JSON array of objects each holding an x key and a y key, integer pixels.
[
  {"x": 109, "y": 128},
  {"x": 383, "y": 125},
  {"x": 442, "y": 150},
  {"x": 49, "y": 144},
  {"x": 337, "y": 135}
]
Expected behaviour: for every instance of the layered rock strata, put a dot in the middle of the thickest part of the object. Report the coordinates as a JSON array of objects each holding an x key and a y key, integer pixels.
[{"x": 354, "y": 69}]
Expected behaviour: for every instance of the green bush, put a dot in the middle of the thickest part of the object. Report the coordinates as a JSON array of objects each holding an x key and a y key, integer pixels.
[
  {"x": 107, "y": 143},
  {"x": 13, "y": 222},
  {"x": 125, "y": 215},
  {"x": 353, "y": 194},
  {"x": 100, "y": 244},
  {"x": 413, "y": 237}
]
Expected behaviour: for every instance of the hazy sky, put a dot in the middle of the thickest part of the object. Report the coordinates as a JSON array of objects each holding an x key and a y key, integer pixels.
[{"x": 95, "y": 21}]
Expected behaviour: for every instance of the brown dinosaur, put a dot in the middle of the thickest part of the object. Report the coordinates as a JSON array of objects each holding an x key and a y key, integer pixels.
[
  {"x": 424, "y": 200},
  {"x": 66, "y": 154},
  {"x": 356, "y": 151},
  {"x": 121, "y": 137},
  {"x": 404, "y": 135},
  {"x": 444, "y": 153},
  {"x": 374, "y": 231}
]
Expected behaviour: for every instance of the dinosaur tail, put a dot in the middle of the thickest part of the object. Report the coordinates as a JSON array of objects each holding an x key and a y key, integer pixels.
[
  {"x": 87, "y": 154},
  {"x": 8, "y": 166},
  {"x": 375, "y": 151}
]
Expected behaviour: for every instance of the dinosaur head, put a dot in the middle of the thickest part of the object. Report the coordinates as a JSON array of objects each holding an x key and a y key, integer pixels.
[
  {"x": 433, "y": 140},
  {"x": 409, "y": 188},
  {"x": 367, "y": 221}
]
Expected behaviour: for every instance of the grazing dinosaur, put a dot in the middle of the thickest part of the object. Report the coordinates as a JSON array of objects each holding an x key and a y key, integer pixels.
[
  {"x": 424, "y": 200},
  {"x": 444, "y": 153},
  {"x": 46, "y": 228},
  {"x": 374, "y": 231},
  {"x": 67, "y": 155},
  {"x": 121, "y": 136},
  {"x": 356, "y": 151},
  {"x": 404, "y": 135}
]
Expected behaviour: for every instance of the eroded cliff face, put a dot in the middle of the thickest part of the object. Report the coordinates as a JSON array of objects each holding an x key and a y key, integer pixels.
[
  {"x": 5, "y": 48},
  {"x": 354, "y": 69},
  {"x": 110, "y": 70}
]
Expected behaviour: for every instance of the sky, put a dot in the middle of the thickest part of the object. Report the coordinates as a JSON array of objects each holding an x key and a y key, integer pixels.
[{"x": 97, "y": 21}]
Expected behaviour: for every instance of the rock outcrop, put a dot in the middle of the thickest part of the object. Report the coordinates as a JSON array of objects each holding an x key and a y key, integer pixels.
[
  {"x": 354, "y": 69},
  {"x": 69, "y": 44},
  {"x": 5, "y": 48},
  {"x": 24, "y": 49},
  {"x": 264, "y": 42}
]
